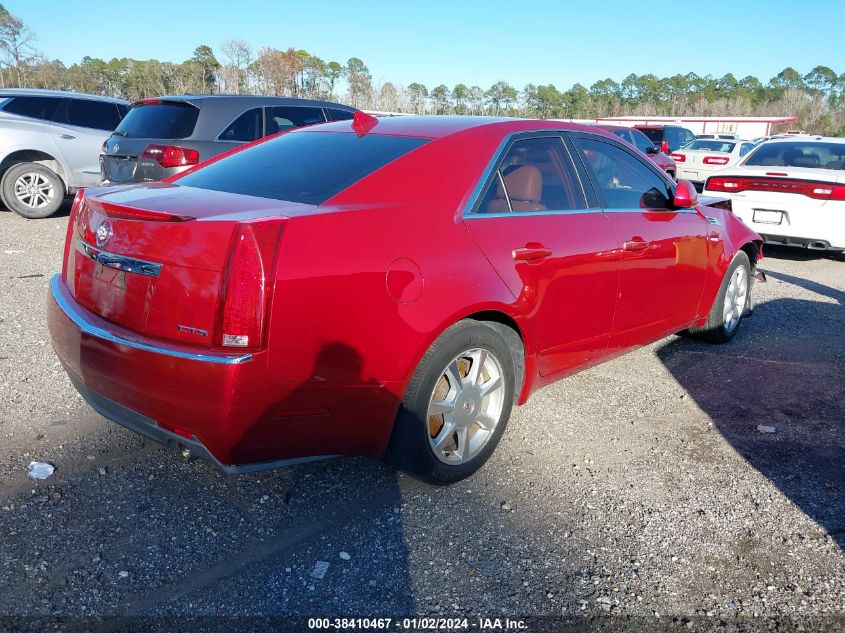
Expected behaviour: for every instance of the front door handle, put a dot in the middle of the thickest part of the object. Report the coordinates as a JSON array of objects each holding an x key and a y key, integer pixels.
[
  {"x": 69, "y": 137},
  {"x": 531, "y": 252},
  {"x": 635, "y": 245}
]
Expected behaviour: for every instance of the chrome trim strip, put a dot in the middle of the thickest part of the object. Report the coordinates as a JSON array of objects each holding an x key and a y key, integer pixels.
[
  {"x": 75, "y": 313},
  {"x": 119, "y": 262}
]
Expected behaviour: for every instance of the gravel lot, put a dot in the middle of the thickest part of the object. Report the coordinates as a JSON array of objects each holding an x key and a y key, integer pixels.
[{"x": 637, "y": 488}]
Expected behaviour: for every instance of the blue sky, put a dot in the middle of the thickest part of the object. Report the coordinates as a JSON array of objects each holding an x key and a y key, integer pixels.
[{"x": 438, "y": 41}]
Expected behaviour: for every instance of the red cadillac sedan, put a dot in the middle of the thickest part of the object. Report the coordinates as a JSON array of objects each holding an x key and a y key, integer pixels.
[{"x": 387, "y": 286}]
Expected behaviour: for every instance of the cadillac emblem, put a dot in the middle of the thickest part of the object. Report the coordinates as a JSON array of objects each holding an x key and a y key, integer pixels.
[{"x": 104, "y": 233}]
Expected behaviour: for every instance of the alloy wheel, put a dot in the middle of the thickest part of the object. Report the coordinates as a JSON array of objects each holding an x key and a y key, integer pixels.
[
  {"x": 34, "y": 190},
  {"x": 466, "y": 406},
  {"x": 736, "y": 296}
]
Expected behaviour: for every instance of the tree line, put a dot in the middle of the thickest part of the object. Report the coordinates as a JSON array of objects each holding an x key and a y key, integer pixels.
[{"x": 817, "y": 98}]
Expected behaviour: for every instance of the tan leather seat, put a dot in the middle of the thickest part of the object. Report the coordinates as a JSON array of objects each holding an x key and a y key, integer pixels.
[{"x": 525, "y": 188}]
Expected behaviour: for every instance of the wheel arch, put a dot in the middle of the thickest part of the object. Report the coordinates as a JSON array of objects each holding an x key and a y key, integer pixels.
[{"x": 35, "y": 156}]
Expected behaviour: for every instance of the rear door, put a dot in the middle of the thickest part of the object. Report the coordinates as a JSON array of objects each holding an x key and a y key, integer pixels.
[
  {"x": 558, "y": 256},
  {"x": 79, "y": 128},
  {"x": 664, "y": 250}
]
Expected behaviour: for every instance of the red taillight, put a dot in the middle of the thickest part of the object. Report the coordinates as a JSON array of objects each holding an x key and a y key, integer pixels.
[
  {"x": 716, "y": 160},
  {"x": 809, "y": 188},
  {"x": 664, "y": 147},
  {"x": 71, "y": 223},
  {"x": 247, "y": 285},
  {"x": 679, "y": 158},
  {"x": 172, "y": 155}
]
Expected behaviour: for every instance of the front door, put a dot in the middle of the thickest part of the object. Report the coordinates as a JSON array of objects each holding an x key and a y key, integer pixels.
[
  {"x": 664, "y": 250},
  {"x": 559, "y": 258}
]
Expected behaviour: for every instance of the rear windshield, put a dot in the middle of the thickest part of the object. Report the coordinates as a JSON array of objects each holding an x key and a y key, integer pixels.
[
  {"x": 307, "y": 167},
  {"x": 165, "y": 120},
  {"x": 799, "y": 154},
  {"x": 654, "y": 135},
  {"x": 711, "y": 146}
]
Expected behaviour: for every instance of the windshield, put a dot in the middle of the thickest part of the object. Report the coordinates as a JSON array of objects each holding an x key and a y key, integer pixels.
[
  {"x": 816, "y": 154},
  {"x": 307, "y": 167},
  {"x": 711, "y": 146}
]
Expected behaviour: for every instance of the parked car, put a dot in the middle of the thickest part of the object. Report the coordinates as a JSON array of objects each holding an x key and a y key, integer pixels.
[
  {"x": 642, "y": 143},
  {"x": 790, "y": 190},
  {"x": 699, "y": 158},
  {"x": 164, "y": 136},
  {"x": 49, "y": 143},
  {"x": 667, "y": 137},
  {"x": 382, "y": 284}
]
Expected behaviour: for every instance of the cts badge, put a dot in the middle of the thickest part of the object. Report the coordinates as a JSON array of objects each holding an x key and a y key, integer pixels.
[{"x": 104, "y": 233}]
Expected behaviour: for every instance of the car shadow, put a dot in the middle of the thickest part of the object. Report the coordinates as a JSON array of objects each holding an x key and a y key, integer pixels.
[
  {"x": 776, "y": 393},
  {"x": 795, "y": 254}
]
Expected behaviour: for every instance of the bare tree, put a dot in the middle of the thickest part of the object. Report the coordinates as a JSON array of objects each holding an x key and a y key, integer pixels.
[
  {"x": 16, "y": 41},
  {"x": 235, "y": 73}
]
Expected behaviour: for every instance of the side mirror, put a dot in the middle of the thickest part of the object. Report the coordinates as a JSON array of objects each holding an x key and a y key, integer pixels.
[
  {"x": 652, "y": 149},
  {"x": 686, "y": 197}
]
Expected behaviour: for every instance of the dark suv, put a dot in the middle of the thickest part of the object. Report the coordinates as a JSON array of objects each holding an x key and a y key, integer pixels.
[
  {"x": 667, "y": 137},
  {"x": 161, "y": 137}
]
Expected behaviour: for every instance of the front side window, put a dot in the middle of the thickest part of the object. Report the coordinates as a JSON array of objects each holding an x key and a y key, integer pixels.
[
  {"x": 281, "y": 118},
  {"x": 534, "y": 175},
  {"x": 625, "y": 135},
  {"x": 341, "y": 115},
  {"x": 246, "y": 127},
  {"x": 307, "y": 167},
  {"x": 35, "y": 107},
  {"x": 97, "y": 115},
  {"x": 655, "y": 135},
  {"x": 624, "y": 180}
]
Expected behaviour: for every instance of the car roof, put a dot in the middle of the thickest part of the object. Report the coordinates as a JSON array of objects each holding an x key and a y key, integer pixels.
[
  {"x": 611, "y": 128},
  {"x": 38, "y": 92},
  {"x": 793, "y": 138},
  {"x": 247, "y": 101},
  {"x": 437, "y": 126}
]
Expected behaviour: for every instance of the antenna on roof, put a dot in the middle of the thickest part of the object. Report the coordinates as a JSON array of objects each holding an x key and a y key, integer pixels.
[{"x": 363, "y": 123}]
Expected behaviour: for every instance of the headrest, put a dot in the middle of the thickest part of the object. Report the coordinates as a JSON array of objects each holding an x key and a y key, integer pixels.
[{"x": 523, "y": 183}]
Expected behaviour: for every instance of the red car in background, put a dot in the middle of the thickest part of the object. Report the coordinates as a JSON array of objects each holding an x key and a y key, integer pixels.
[
  {"x": 390, "y": 285},
  {"x": 642, "y": 143}
]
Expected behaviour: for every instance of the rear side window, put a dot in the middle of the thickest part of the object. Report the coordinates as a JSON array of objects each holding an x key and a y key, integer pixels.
[
  {"x": 98, "y": 115},
  {"x": 35, "y": 107},
  {"x": 534, "y": 175},
  {"x": 746, "y": 147},
  {"x": 624, "y": 181},
  {"x": 341, "y": 115},
  {"x": 246, "y": 127},
  {"x": 281, "y": 118},
  {"x": 307, "y": 167},
  {"x": 164, "y": 120}
]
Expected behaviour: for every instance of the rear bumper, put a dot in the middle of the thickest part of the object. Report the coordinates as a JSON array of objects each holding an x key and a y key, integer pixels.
[{"x": 223, "y": 407}]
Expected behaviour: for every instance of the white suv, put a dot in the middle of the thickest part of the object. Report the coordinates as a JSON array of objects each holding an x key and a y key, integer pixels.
[
  {"x": 790, "y": 190},
  {"x": 50, "y": 145}
]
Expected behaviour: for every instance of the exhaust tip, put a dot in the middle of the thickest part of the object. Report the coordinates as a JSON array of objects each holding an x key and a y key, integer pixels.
[
  {"x": 186, "y": 453},
  {"x": 817, "y": 246}
]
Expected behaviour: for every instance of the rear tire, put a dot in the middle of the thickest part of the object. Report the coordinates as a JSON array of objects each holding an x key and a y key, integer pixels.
[
  {"x": 32, "y": 190},
  {"x": 457, "y": 405},
  {"x": 732, "y": 304}
]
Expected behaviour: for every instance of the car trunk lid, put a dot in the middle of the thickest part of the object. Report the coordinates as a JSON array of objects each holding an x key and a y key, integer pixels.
[{"x": 153, "y": 258}]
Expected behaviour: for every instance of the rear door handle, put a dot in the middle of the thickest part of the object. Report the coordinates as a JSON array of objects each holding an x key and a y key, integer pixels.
[
  {"x": 530, "y": 252},
  {"x": 635, "y": 245},
  {"x": 69, "y": 137}
]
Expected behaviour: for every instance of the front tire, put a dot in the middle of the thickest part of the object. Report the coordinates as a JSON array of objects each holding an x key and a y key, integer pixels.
[
  {"x": 457, "y": 404},
  {"x": 32, "y": 190},
  {"x": 732, "y": 303}
]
